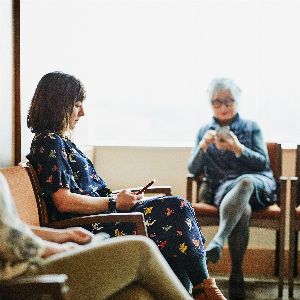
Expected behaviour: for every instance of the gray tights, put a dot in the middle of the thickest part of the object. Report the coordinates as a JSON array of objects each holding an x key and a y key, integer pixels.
[{"x": 235, "y": 214}]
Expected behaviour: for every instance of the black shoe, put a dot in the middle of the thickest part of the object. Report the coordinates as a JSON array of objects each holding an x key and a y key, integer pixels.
[
  {"x": 236, "y": 289},
  {"x": 213, "y": 252}
]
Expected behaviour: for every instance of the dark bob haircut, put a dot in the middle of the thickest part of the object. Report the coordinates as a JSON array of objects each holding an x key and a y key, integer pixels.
[{"x": 53, "y": 101}]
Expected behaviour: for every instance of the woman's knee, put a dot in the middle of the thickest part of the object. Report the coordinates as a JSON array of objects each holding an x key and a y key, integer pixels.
[
  {"x": 246, "y": 184},
  {"x": 135, "y": 240},
  {"x": 176, "y": 202}
]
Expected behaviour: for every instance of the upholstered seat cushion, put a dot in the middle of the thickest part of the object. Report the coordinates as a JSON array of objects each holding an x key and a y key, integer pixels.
[{"x": 207, "y": 210}]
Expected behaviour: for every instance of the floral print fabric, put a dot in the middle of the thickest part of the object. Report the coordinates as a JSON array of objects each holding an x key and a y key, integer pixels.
[
  {"x": 170, "y": 221},
  {"x": 172, "y": 225}
]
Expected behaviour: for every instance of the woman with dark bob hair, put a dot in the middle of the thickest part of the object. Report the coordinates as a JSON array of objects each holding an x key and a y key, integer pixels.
[{"x": 71, "y": 186}]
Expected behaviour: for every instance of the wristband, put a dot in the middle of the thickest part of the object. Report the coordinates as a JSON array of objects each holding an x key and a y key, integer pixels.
[{"x": 112, "y": 204}]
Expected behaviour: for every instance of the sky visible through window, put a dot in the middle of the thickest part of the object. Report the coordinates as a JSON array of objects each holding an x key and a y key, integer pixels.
[{"x": 146, "y": 64}]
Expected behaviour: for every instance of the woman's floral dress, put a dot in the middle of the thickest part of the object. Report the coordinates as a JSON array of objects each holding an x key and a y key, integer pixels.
[{"x": 170, "y": 221}]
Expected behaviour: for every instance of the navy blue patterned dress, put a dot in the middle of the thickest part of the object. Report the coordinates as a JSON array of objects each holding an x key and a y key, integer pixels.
[{"x": 170, "y": 221}]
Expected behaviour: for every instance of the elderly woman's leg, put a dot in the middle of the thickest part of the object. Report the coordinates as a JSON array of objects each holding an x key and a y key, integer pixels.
[
  {"x": 98, "y": 272},
  {"x": 238, "y": 242},
  {"x": 233, "y": 206}
]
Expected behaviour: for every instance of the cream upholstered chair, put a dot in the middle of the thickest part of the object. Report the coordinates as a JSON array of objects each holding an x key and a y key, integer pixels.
[{"x": 272, "y": 218}]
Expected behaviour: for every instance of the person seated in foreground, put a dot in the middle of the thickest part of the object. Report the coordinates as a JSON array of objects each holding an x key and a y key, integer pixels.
[
  {"x": 232, "y": 155},
  {"x": 71, "y": 186}
]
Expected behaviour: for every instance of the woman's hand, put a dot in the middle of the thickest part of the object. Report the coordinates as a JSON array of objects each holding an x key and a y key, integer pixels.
[
  {"x": 76, "y": 235},
  {"x": 230, "y": 143},
  {"x": 55, "y": 248},
  {"x": 208, "y": 138},
  {"x": 126, "y": 200}
]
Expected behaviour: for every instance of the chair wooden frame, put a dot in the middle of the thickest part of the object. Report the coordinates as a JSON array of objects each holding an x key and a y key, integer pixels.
[
  {"x": 136, "y": 218},
  {"x": 294, "y": 225},
  {"x": 272, "y": 217}
]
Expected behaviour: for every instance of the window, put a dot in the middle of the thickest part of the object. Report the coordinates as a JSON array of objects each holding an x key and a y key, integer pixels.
[{"x": 146, "y": 64}]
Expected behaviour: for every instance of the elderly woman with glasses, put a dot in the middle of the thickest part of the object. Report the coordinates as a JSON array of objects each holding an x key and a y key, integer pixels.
[{"x": 232, "y": 155}]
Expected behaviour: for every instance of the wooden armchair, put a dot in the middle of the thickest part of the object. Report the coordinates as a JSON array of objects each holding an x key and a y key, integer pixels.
[
  {"x": 272, "y": 218},
  {"x": 294, "y": 225},
  {"x": 31, "y": 207}
]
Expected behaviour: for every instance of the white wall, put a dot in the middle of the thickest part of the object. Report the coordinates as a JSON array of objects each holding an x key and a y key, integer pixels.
[
  {"x": 6, "y": 84},
  {"x": 122, "y": 167}
]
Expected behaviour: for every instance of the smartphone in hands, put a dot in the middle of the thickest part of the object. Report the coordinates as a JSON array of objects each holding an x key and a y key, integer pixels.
[
  {"x": 142, "y": 190},
  {"x": 223, "y": 132}
]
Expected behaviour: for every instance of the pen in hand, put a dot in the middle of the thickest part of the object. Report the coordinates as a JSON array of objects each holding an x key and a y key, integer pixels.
[{"x": 145, "y": 187}]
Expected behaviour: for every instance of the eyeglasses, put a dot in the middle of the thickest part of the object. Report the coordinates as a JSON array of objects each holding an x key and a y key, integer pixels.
[{"x": 216, "y": 103}]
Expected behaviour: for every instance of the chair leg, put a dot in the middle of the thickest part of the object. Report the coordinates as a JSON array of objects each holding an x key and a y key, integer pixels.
[
  {"x": 296, "y": 254},
  {"x": 292, "y": 261},
  {"x": 277, "y": 257},
  {"x": 280, "y": 261}
]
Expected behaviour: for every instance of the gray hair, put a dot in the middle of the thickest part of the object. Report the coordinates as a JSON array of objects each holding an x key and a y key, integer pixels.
[{"x": 221, "y": 84}]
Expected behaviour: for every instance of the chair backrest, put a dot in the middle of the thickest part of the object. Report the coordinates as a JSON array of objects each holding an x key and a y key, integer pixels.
[
  {"x": 23, "y": 194},
  {"x": 274, "y": 151}
]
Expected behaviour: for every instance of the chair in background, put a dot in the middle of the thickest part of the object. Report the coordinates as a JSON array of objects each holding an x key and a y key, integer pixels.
[
  {"x": 294, "y": 225},
  {"x": 272, "y": 217}
]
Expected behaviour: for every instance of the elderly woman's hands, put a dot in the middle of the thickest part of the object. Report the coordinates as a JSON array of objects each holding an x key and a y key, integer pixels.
[
  {"x": 230, "y": 143},
  {"x": 209, "y": 137}
]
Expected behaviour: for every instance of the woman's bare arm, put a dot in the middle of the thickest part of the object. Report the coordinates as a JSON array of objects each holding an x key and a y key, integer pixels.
[
  {"x": 75, "y": 234},
  {"x": 65, "y": 201}
]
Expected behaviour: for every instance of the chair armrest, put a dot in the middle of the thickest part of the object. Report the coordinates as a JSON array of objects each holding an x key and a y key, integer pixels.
[
  {"x": 25, "y": 287},
  {"x": 190, "y": 179},
  {"x": 156, "y": 189},
  {"x": 189, "y": 187},
  {"x": 135, "y": 217}
]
